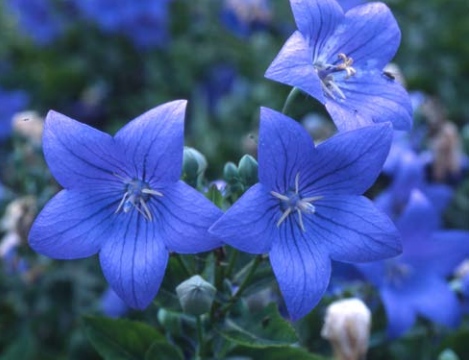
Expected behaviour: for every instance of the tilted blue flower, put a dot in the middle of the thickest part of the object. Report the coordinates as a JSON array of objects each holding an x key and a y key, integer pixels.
[
  {"x": 145, "y": 22},
  {"x": 406, "y": 169},
  {"x": 339, "y": 59},
  {"x": 415, "y": 282},
  {"x": 11, "y": 102},
  {"x": 307, "y": 207},
  {"x": 39, "y": 19},
  {"x": 123, "y": 199}
]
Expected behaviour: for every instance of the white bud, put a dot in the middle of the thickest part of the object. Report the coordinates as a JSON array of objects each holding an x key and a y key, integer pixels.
[
  {"x": 347, "y": 327},
  {"x": 196, "y": 295}
]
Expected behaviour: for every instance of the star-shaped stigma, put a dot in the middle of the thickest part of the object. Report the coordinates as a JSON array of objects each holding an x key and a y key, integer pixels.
[
  {"x": 326, "y": 74},
  {"x": 292, "y": 200},
  {"x": 137, "y": 193}
]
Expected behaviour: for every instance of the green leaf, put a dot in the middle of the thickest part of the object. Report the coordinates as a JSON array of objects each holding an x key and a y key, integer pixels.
[
  {"x": 260, "y": 330},
  {"x": 281, "y": 353},
  {"x": 215, "y": 196},
  {"x": 120, "y": 339},
  {"x": 162, "y": 350}
]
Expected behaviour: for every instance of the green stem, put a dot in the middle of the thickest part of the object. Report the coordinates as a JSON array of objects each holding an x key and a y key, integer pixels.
[
  {"x": 184, "y": 267},
  {"x": 200, "y": 338},
  {"x": 231, "y": 262},
  {"x": 293, "y": 94},
  {"x": 255, "y": 263}
]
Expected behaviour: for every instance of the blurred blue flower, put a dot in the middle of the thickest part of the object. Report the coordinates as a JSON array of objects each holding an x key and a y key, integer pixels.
[
  {"x": 41, "y": 20},
  {"x": 145, "y": 22},
  {"x": 307, "y": 207},
  {"x": 244, "y": 17},
  {"x": 415, "y": 282},
  {"x": 339, "y": 59},
  {"x": 123, "y": 199},
  {"x": 407, "y": 171},
  {"x": 112, "y": 305},
  {"x": 11, "y": 102}
]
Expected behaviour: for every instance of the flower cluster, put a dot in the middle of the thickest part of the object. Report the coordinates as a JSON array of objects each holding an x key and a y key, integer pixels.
[{"x": 139, "y": 199}]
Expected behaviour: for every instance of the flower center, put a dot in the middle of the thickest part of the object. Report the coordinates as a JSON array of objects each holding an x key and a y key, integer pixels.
[
  {"x": 136, "y": 195},
  {"x": 292, "y": 201},
  {"x": 326, "y": 74},
  {"x": 396, "y": 272}
]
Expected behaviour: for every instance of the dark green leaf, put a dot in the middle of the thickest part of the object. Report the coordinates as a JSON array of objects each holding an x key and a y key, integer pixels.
[
  {"x": 260, "y": 330},
  {"x": 162, "y": 350},
  {"x": 282, "y": 353},
  {"x": 120, "y": 339}
]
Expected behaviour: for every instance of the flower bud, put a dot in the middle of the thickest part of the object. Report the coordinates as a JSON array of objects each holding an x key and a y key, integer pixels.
[
  {"x": 347, "y": 327},
  {"x": 247, "y": 170},
  {"x": 230, "y": 173},
  {"x": 194, "y": 165},
  {"x": 196, "y": 295}
]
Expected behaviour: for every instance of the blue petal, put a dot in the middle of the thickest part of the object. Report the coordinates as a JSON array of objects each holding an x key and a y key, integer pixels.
[
  {"x": 294, "y": 66},
  {"x": 79, "y": 155},
  {"x": 436, "y": 301},
  {"x": 419, "y": 219},
  {"x": 285, "y": 148},
  {"x": 401, "y": 316},
  {"x": 317, "y": 20},
  {"x": 369, "y": 35},
  {"x": 134, "y": 259},
  {"x": 352, "y": 229},
  {"x": 249, "y": 224},
  {"x": 302, "y": 269},
  {"x": 183, "y": 216},
  {"x": 74, "y": 224},
  {"x": 370, "y": 98},
  {"x": 374, "y": 272},
  {"x": 154, "y": 140},
  {"x": 347, "y": 163},
  {"x": 439, "y": 254}
]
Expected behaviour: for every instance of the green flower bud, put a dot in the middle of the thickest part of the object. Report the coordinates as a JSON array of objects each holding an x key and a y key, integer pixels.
[
  {"x": 230, "y": 173},
  {"x": 196, "y": 295},
  {"x": 248, "y": 170},
  {"x": 194, "y": 165}
]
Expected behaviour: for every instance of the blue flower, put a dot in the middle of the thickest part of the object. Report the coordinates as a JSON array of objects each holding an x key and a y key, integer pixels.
[
  {"x": 407, "y": 171},
  {"x": 123, "y": 199},
  {"x": 39, "y": 19},
  {"x": 415, "y": 282},
  {"x": 11, "y": 102},
  {"x": 244, "y": 17},
  {"x": 339, "y": 59},
  {"x": 145, "y": 22},
  {"x": 307, "y": 207}
]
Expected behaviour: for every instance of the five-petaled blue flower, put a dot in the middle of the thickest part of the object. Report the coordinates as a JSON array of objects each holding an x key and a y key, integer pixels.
[
  {"x": 339, "y": 58},
  {"x": 123, "y": 199},
  {"x": 415, "y": 282},
  {"x": 307, "y": 207}
]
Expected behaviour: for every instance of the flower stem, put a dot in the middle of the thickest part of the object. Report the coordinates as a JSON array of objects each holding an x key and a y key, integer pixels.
[
  {"x": 253, "y": 267},
  {"x": 200, "y": 338},
  {"x": 231, "y": 262},
  {"x": 183, "y": 265},
  {"x": 293, "y": 94}
]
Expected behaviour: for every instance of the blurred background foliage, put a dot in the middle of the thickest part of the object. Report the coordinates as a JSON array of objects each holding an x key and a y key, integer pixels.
[{"x": 104, "y": 62}]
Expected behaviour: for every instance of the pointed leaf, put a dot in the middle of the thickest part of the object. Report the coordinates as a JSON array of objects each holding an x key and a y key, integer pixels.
[
  {"x": 116, "y": 339},
  {"x": 260, "y": 330}
]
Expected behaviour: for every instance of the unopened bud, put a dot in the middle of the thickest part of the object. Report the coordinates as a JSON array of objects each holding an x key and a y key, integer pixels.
[
  {"x": 194, "y": 165},
  {"x": 248, "y": 170},
  {"x": 29, "y": 125},
  {"x": 196, "y": 295},
  {"x": 230, "y": 173},
  {"x": 347, "y": 327}
]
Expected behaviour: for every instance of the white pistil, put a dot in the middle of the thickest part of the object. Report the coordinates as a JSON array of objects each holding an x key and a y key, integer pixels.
[
  {"x": 326, "y": 71},
  {"x": 136, "y": 196},
  {"x": 295, "y": 202}
]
